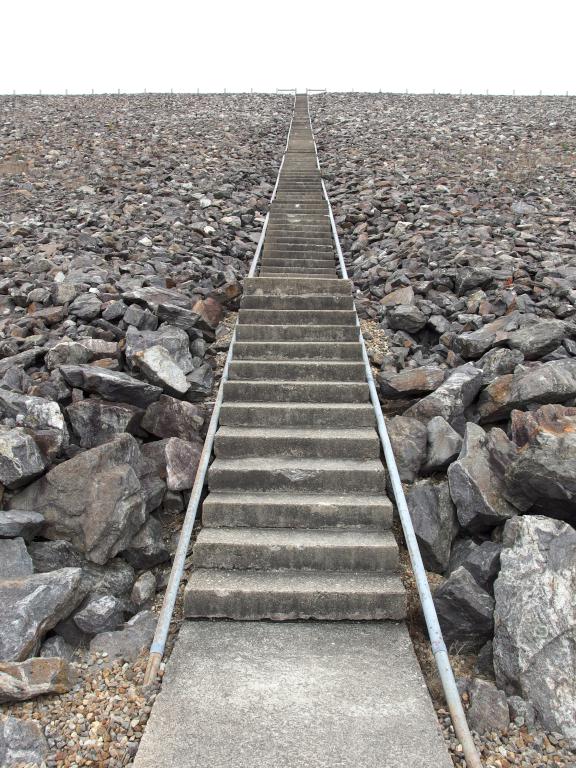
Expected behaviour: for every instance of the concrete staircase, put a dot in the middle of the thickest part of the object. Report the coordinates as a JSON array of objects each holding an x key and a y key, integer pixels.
[{"x": 297, "y": 523}]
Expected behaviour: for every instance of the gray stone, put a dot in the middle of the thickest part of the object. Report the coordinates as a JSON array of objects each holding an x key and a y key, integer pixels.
[
  {"x": 497, "y": 362},
  {"x": 168, "y": 417},
  {"x": 22, "y": 742},
  {"x": 24, "y": 680},
  {"x": 174, "y": 341},
  {"x": 130, "y": 641},
  {"x": 434, "y": 519},
  {"x": 201, "y": 381},
  {"x": 111, "y": 385},
  {"x": 102, "y": 613},
  {"x": 474, "y": 344},
  {"x": 406, "y": 317},
  {"x": 411, "y": 382},
  {"x": 444, "y": 445},
  {"x": 403, "y": 296},
  {"x": 159, "y": 368},
  {"x": 144, "y": 589},
  {"x": 67, "y": 353},
  {"x": 140, "y": 318},
  {"x": 15, "y": 561},
  {"x": 56, "y": 647},
  {"x": 537, "y": 340},
  {"x": 469, "y": 278},
  {"x": 481, "y": 560},
  {"x": 465, "y": 610},
  {"x": 19, "y": 522},
  {"x": 94, "y": 500},
  {"x": 42, "y": 418},
  {"x": 147, "y": 548},
  {"x": 451, "y": 399},
  {"x": 34, "y": 605},
  {"x": 488, "y": 709},
  {"x": 535, "y": 619},
  {"x": 476, "y": 485},
  {"x": 86, "y": 306},
  {"x": 485, "y": 660},
  {"x": 95, "y": 421},
  {"x": 522, "y": 712},
  {"x": 21, "y": 460},
  {"x": 408, "y": 438}
]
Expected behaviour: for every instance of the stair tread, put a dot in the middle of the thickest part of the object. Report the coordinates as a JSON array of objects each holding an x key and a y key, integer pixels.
[
  {"x": 290, "y": 433},
  {"x": 297, "y": 537},
  {"x": 275, "y": 463},
  {"x": 295, "y": 499}
]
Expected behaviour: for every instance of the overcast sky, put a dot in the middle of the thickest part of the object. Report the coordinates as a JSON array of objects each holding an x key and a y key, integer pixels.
[{"x": 447, "y": 45}]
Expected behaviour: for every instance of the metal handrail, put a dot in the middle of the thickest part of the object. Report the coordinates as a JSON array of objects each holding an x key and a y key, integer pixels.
[
  {"x": 432, "y": 624},
  {"x": 163, "y": 626}
]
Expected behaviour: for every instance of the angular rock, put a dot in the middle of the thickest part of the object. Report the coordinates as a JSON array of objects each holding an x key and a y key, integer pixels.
[
  {"x": 19, "y": 522},
  {"x": 130, "y": 641},
  {"x": 56, "y": 647},
  {"x": 42, "y": 418},
  {"x": 403, "y": 296},
  {"x": 32, "y": 606},
  {"x": 102, "y": 613},
  {"x": 465, "y": 610},
  {"x": 488, "y": 709},
  {"x": 144, "y": 589},
  {"x": 172, "y": 339},
  {"x": 408, "y": 438},
  {"x": 168, "y": 417},
  {"x": 86, "y": 306},
  {"x": 535, "y": 341},
  {"x": 22, "y": 742},
  {"x": 67, "y": 353},
  {"x": 522, "y": 712},
  {"x": 111, "y": 385},
  {"x": 535, "y": 619},
  {"x": 444, "y": 445},
  {"x": 411, "y": 382},
  {"x": 24, "y": 680},
  {"x": 15, "y": 561},
  {"x": 451, "y": 399},
  {"x": 201, "y": 381},
  {"x": 159, "y": 368},
  {"x": 154, "y": 295},
  {"x": 147, "y": 548},
  {"x": 497, "y": 362},
  {"x": 21, "y": 460},
  {"x": 189, "y": 321},
  {"x": 481, "y": 560},
  {"x": 99, "y": 515},
  {"x": 434, "y": 519},
  {"x": 476, "y": 483},
  {"x": 474, "y": 344},
  {"x": 406, "y": 317},
  {"x": 95, "y": 421}
]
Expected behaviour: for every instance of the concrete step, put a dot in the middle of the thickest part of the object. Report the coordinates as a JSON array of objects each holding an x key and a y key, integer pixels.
[
  {"x": 298, "y": 303},
  {"x": 313, "y": 415},
  {"x": 283, "y": 510},
  {"x": 283, "y": 253},
  {"x": 296, "y": 549},
  {"x": 298, "y": 317},
  {"x": 324, "y": 333},
  {"x": 265, "y": 271},
  {"x": 296, "y": 286},
  {"x": 286, "y": 595},
  {"x": 296, "y": 391},
  {"x": 324, "y": 263},
  {"x": 301, "y": 370},
  {"x": 296, "y": 442},
  {"x": 297, "y": 475},
  {"x": 294, "y": 351}
]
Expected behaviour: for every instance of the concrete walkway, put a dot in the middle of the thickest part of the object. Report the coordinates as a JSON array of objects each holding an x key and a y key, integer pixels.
[{"x": 293, "y": 695}]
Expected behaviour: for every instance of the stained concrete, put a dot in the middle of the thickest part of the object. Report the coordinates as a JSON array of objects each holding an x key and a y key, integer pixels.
[{"x": 293, "y": 695}]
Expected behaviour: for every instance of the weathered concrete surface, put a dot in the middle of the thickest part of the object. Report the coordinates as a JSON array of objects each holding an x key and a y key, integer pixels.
[{"x": 292, "y": 695}]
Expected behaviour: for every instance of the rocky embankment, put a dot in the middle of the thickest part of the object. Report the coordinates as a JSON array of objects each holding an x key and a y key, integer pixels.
[
  {"x": 126, "y": 226},
  {"x": 456, "y": 215}
]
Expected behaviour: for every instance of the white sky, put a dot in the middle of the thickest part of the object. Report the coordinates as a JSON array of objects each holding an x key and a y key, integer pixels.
[{"x": 393, "y": 45}]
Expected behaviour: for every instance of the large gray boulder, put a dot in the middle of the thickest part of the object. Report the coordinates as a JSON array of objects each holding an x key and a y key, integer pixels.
[
  {"x": 488, "y": 709},
  {"x": 41, "y": 418},
  {"x": 168, "y": 417},
  {"x": 434, "y": 519},
  {"x": 95, "y": 421},
  {"x": 444, "y": 445},
  {"x": 130, "y": 641},
  {"x": 15, "y": 561},
  {"x": 451, "y": 399},
  {"x": 102, "y": 613},
  {"x": 21, "y": 460},
  {"x": 22, "y": 742},
  {"x": 476, "y": 480},
  {"x": 411, "y": 382},
  {"x": 111, "y": 385},
  {"x": 19, "y": 522},
  {"x": 535, "y": 619},
  {"x": 481, "y": 560},
  {"x": 32, "y": 605},
  {"x": 94, "y": 500},
  {"x": 408, "y": 439},
  {"x": 158, "y": 367},
  {"x": 537, "y": 340},
  {"x": 172, "y": 339},
  {"x": 465, "y": 610}
]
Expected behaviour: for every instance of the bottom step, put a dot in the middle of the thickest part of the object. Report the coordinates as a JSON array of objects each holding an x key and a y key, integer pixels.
[{"x": 282, "y": 595}]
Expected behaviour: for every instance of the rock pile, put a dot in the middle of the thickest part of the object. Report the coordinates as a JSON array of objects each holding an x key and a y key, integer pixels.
[
  {"x": 456, "y": 215},
  {"x": 127, "y": 226}
]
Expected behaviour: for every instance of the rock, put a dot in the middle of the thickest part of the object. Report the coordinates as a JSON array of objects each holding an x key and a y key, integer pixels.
[
  {"x": 535, "y": 619},
  {"x": 67, "y": 353},
  {"x": 15, "y": 561},
  {"x": 168, "y": 417},
  {"x": 544, "y": 472},
  {"x": 18, "y": 522},
  {"x": 482, "y": 561},
  {"x": 152, "y": 296},
  {"x": 22, "y": 742},
  {"x": 42, "y": 418},
  {"x": 406, "y": 317},
  {"x": 20, "y": 458},
  {"x": 537, "y": 340},
  {"x": 411, "y": 382},
  {"x": 434, "y": 519},
  {"x": 56, "y": 647},
  {"x": 147, "y": 548},
  {"x": 100, "y": 515},
  {"x": 32, "y": 606},
  {"x": 86, "y": 306},
  {"x": 485, "y": 660},
  {"x": 209, "y": 310},
  {"x": 172, "y": 339},
  {"x": 23, "y": 680},
  {"x": 140, "y": 318},
  {"x": 476, "y": 483},
  {"x": 497, "y": 362},
  {"x": 465, "y": 610},
  {"x": 102, "y": 613},
  {"x": 95, "y": 421},
  {"x": 552, "y": 382},
  {"x": 522, "y": 712},
  {"x": 488, "y": 709},
  {"x": 201, "y": 381},
  {"x": 469, "y": 278},
  {"x": 451, "y": 399},
  {"x": 474, "y": 344},
  {"x": 111, "y": 385},
  {"x": 128, "y": 642},
  {"x": 444, "y": 445},
  {"x": 189, "y": 321},
  {"x": 403, "y": 296},
  {"x": 144, "y": 589},
  {"x": 159, "y": 368},
  {"x": 408, "y": 438}
]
